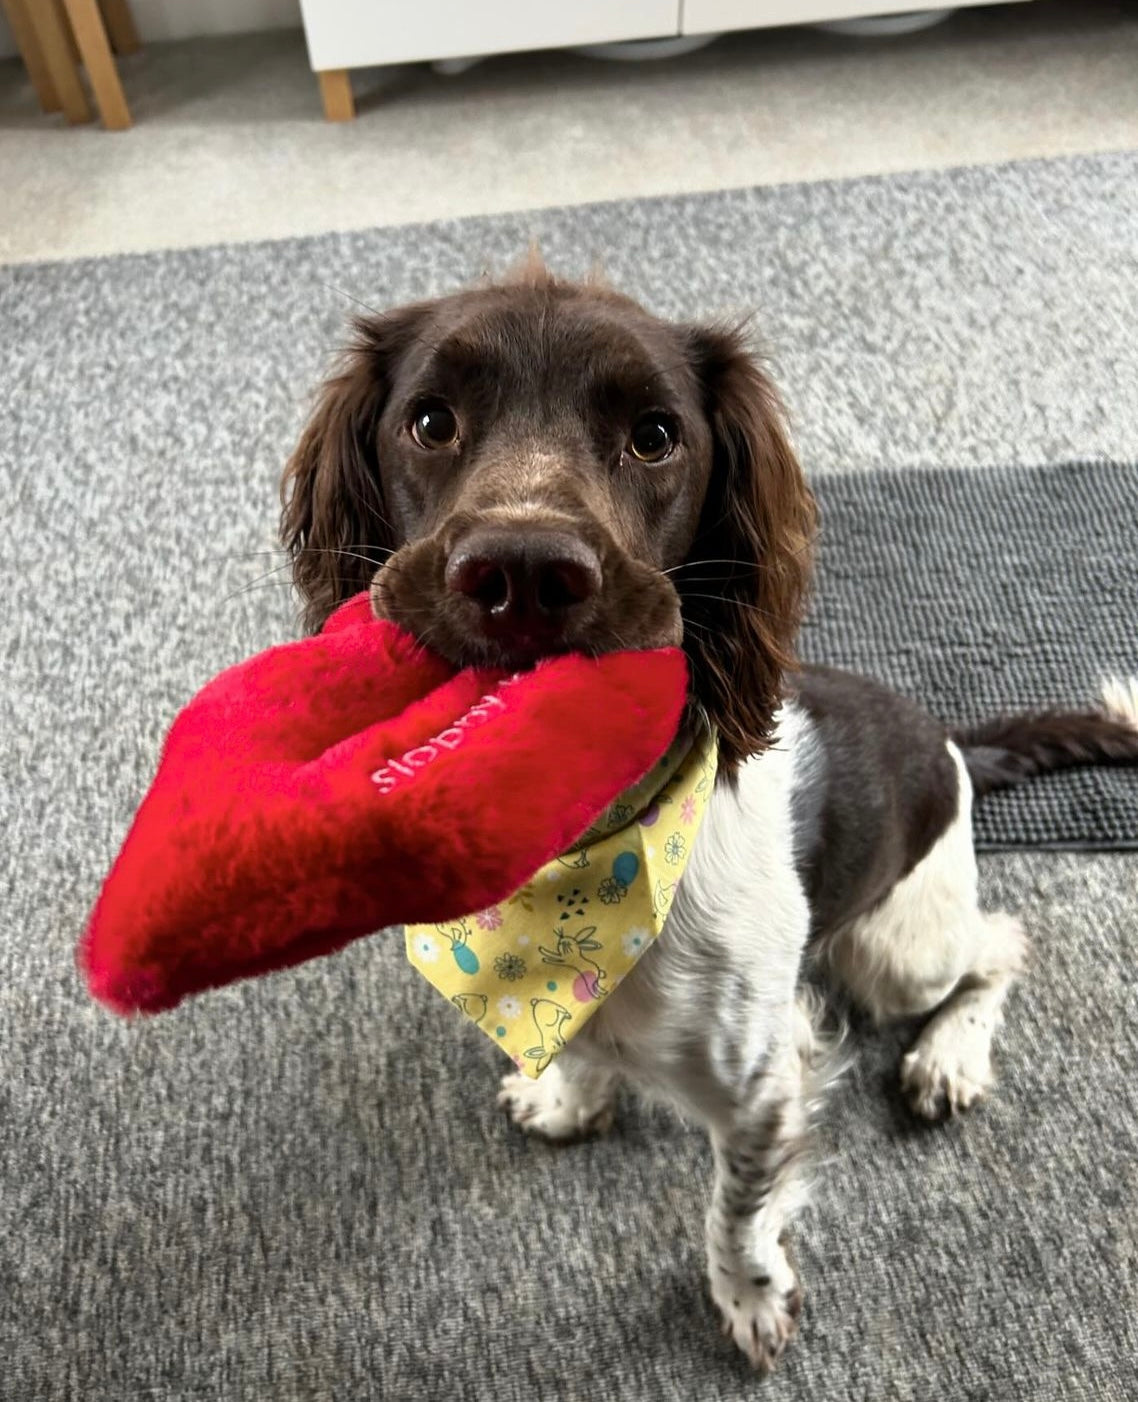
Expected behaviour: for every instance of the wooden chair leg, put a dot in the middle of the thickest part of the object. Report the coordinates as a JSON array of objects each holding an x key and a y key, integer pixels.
[
  {"x": 120, "y": 26},
  {"x": 91, "y": 37},
  {"x": 30, "y": 52},
  {"x": 51, "y": 40},
  {"x": 68, "y": 32},
  {"x": 336, "y": 94}
]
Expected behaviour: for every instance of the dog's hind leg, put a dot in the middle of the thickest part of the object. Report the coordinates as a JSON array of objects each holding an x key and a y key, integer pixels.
[
  {"x": 928, "y": 948},
  {"x": 950, "y": 1064}
]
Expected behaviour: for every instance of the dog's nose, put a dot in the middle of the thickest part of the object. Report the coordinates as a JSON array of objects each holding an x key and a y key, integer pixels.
[{"x": 527, "y": 583}]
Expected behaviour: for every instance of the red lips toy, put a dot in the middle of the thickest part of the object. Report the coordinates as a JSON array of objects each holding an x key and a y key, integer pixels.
[{"x": 327, "y": 788}]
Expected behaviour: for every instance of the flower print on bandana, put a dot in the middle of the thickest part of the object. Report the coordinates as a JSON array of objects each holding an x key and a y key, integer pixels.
[
  {"x": 426, "y": 948},
  {"x": 636, "y": 941},
  {"x": 509, "y": 967},
  {"x": 612, "y": 891}
]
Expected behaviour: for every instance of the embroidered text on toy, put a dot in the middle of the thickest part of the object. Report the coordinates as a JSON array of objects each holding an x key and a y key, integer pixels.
[{"x": 396, "y": 770}]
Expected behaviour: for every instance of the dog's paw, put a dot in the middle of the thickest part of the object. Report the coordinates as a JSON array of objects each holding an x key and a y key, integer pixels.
[
  {"x": 760, "y": 1314},
  {"x": 949, "y": 1068},
  {"x": 551, "y": 1108}
]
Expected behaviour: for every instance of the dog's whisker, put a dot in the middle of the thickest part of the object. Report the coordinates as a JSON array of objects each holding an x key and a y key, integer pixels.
[
  {"x": 368, "y": 505},
  {"x": 243, "y": 554},
  {"x": 691, "y": 564},
  {"x": 254, "y": 587},
  {"x": 356, "y": 301},
  {"x": 352, "y": 554},
  {"x": 375, "y": 311},
  {"x": 297, "y": 550},
  {"x": 620, "y": 642},
  {"x": 744, "y": 564},
  {"x": 698, "y": 627},
  {"x": 286, "y": 564},
  {"x": 276, "y": 569},
  {"x": 338, "y": 549},
  {"x": 734, "y": 603}
]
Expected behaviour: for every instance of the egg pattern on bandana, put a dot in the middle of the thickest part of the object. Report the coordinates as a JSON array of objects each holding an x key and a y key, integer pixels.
[{"x": 532, "y": 971}]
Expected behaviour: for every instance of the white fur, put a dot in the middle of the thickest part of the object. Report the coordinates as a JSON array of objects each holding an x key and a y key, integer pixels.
[
  {"x": 710, "y": 1019},
  {"x": 950, "y": 1065},
  {"x": 571, "y": 1099},
  {"x": 1120, "y": 699}
]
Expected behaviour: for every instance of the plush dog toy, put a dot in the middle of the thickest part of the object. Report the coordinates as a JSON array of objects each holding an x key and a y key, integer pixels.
[{"x": 327, "y": 788}]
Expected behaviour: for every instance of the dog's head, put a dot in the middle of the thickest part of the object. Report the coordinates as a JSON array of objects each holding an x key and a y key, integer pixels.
[{"x": 537, "y": 466}]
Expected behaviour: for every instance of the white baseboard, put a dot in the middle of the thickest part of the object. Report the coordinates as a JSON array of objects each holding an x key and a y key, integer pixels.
[{"x": 182, "y": 19}]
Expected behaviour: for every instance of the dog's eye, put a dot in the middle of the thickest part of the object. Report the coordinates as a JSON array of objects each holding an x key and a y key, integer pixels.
[
  {"x": 652, "y": 438},
  {"x": 434, "y": 426}
]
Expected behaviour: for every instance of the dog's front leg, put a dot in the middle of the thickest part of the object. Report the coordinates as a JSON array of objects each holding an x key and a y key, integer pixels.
[
  {"x": 571, "y": 1099},
  {"x": 758, "y": 1153}
]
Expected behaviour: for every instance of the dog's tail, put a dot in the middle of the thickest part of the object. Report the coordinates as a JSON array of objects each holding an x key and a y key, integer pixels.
[{"x": 1011, "y": 749}]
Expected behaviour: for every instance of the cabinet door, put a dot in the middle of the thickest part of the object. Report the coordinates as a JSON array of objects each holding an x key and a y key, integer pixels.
[
  {"x": 356, "y": 33},
  {"x": 708, "y": 16}
]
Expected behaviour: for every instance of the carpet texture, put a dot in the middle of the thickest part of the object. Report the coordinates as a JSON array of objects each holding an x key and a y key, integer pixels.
[
  {"x": 982, "y": 592},
  {"x": 269, "y": 1194}
]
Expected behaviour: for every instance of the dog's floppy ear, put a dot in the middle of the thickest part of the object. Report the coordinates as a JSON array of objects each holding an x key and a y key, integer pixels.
[
  {"x": 745, "y": 583},
  {"x": 333, "y": 519}
]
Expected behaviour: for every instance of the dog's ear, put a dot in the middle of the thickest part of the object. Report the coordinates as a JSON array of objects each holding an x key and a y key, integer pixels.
[
  {"x": 333, "y": 520},
  {"x": 745, "y": 583}
]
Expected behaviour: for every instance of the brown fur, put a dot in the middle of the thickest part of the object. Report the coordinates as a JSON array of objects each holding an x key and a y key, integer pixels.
[
  {"x": 545, "y": 377},
  {"x": 332, "y": 520},
  {"x": 758, "y": 526},
  {"x": 1006, "y": 751}
]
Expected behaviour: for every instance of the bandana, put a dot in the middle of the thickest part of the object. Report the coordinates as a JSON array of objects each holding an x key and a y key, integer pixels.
[{"x": 532, "y": 971}]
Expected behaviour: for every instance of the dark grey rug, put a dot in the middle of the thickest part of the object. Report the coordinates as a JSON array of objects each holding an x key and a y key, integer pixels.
[
  {"x": 985, "y": 591},
  {"x": 299, "y": 1190}
]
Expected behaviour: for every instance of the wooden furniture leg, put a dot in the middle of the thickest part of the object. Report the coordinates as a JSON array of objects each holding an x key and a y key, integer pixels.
[
  {"x": 120, "y": 26},
  {"x": 50, "y": 38},
  {"x": 30, "y": 52},
  {"x": 336, "y": 94},
  {"x": 95, "y": 51}
]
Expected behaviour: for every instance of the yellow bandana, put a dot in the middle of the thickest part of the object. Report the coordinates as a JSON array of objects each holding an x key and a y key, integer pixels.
[{"x": 533, "y": 970}]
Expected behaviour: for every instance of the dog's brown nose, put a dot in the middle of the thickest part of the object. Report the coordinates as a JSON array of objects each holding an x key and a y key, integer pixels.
[{"x": 526, "y": 583}]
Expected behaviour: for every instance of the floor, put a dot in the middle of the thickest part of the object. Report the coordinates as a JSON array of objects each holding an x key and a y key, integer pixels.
[
  {"x": 268, "y": 1194},
  {"x": 299, "y": 1188},
  {"x": 229, "y": 143}
]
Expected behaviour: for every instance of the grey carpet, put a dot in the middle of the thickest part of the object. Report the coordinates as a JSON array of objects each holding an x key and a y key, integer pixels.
[
  {"x": 983, "y": 592},
  {"x": 298, "y": 1188}
]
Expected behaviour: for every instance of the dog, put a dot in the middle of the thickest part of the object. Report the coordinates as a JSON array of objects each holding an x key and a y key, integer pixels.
[{"x": 534, "y": 466}]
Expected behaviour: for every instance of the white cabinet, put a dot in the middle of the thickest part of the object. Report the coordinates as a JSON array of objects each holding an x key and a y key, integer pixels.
[
  {"x": 346, "y": 34},
  {"x": 360, "y": 33},
  {"x": 711, "y": 16}
]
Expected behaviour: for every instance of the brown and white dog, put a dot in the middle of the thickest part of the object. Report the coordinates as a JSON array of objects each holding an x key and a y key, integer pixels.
[{"x": 535, "y": 466}]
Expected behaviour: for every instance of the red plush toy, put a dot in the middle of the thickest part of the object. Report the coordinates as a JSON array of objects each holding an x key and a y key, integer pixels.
[{"x": 327, "y": 788}]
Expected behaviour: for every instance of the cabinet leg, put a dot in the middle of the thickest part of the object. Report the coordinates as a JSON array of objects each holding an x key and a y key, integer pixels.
[{"x": 336, "y": 94}]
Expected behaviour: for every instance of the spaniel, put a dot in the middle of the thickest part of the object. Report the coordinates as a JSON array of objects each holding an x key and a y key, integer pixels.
[{"x": 534, "y": 466}]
